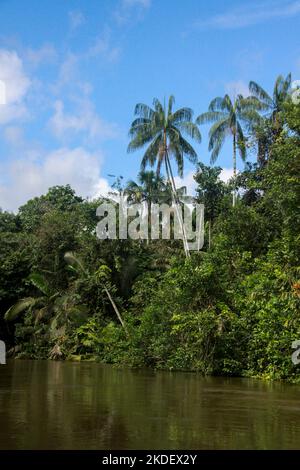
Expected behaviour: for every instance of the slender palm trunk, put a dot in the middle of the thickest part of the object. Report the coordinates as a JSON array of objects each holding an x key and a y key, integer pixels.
[
  {"x": 177, "y": 205},
  {"x": 234, "y": 169},
  {"x": 149, "y": 220},
  {"x": 116, "y": 310},
  {"x": 175, "y": 197},
  {"x": 209, "y": 234}
]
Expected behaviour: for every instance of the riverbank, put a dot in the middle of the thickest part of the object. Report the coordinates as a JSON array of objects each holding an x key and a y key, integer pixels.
[{"x": 94, "y": 359}]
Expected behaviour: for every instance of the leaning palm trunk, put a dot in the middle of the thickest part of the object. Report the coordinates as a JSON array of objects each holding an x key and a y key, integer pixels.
[
  {"x": 209, "y": 234},
  {"x": 116, "y": 310},
  {"x": 234, "y": 170},
  {"x": 176, "y": 203},
  {"x": 102, "y": 273}
]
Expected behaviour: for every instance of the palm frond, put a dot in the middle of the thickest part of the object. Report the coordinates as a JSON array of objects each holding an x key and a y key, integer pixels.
[
  {"x": 241, "y": 142},
  {"x": 190, "y": 129},
  {"x": 217, "y": 104},
  {"x": 77, "y": 313},
  {"x": 257, "y": 91},
  {"x": 171, "y": 104},
  {"x": 288, "y": 79},
  {"x": 158, "y": 107},
  {"x": 177, "y": 152},
  {"x": 221, "y": 104},
  {"x": 139, "y": 124},
  {"x": 40, "y": 314},
  {"x": 210, "y": 116},
  {"x": 188, "y": 150},
  {"x": 223, "y": 126},
  {"x": 217, "y": 135},
  {"x": 133, "y": 190},
  {"x": 144, "y": 111},
  {"x": 281, "y": 88},
  {"x": 160, "y": 160},
  {"x": 18, "y": 308},
  {"x": 218, "y": 144},
  {"x": 144, "y": 128},
  {"x": 139, "y": 141},
  {"x": 252, "y": 118},
  {"x": 181, "y": 115},
  {"x": 73, "y": 260},
  {"x": 152, "y": 152},
  {"x": 278, "y": 87},
  {"x": 40, "y": 283},
  {"x": 251, "y": 103}
]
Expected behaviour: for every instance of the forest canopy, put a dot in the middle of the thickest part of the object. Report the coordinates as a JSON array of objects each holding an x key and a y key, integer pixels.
[{"x": 232, "y": 308}]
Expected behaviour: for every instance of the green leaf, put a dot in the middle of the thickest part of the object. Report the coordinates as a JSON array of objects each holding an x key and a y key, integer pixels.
[
  {"x": 18, "y": 308},
  {"x": 40, "y": 283}
]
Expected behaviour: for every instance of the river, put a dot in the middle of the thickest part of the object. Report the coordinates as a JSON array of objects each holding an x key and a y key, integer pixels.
[{"x": 65, "y": 405}]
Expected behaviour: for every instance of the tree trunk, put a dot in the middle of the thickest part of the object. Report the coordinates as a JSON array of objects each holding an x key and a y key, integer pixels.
[
  {"x": 209, "y": 234},
  {"x": 234, "y": 169},
  {"x": 116, "y": 310},
  {"x": 176, "y": 203}
]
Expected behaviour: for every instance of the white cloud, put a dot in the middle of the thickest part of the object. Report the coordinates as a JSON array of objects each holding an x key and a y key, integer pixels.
[
  {"x": 250, "y": 15},
  {"x": 237, "y": 88},
  {"x": 76, "y": 18},
  {"x": 19, "y": 145},
  {"x": 226, "y": 174},
  {"x": 250, "y": 61},
  {"x": 2, "y": 92},
  {"x": 83, "y": 120},
  {"x": 69, "y": 74},
  {"x": 16, "y": 84},
  {"x": 101, "y": 188},
  {"x": 129, "y": 10},
  {"x": 187, "y": 181},
  {"x": 134, "y": 3},
  {"x": 68, "y": 69},
  {"x": 77, "y": 167},
  {"x": 14, "y": 135},
  {"x": 45, "y": 54},
  {"x": 103, "y": 47},
  {"x": 191, "y": 185}
]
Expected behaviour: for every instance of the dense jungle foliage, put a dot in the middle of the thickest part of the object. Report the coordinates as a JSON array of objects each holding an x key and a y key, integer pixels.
[{"x": 232, "y": 308}]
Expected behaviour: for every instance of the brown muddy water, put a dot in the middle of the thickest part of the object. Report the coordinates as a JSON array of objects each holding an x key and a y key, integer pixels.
[{"x": 65, "y": 405}]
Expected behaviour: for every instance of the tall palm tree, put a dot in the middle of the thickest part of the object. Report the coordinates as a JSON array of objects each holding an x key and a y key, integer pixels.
[
  {"x": 149, "y": 187},
  {"x": 267, "y": 127},
  {"x": 272, "y": 104},
  {"x": 228, "y": 117},
  {"x": 163, "y": 130}
]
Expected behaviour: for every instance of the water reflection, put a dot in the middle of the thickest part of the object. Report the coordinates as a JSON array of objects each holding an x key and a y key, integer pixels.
[{"x": 60, "y": 405}]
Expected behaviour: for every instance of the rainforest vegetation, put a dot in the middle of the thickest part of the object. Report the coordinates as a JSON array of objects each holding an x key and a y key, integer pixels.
[{"x": 232, "y": 308}]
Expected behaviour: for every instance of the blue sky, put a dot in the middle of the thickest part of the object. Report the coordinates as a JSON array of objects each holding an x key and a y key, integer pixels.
[{"x": 75, "y": 69}]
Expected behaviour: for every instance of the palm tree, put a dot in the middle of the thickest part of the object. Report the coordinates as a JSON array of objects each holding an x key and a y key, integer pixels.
[
  {"x": 272, "y": 104},
  {"x": 41, "y": 306},
  {"x": 103, "y": 278},
  {"x": 50, "y": 306},
  {"x": 267, "y": 127},
  {"x": 162, "y": 130},
  {"x": 149, "y": 187},
  {"x": 228, "y": 117}
]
